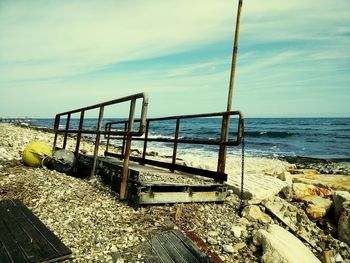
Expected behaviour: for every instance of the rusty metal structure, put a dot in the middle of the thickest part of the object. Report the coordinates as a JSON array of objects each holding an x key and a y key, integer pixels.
[
  {"x": 219, "y": 175},
  {"x": 16, "y": 120},
  {"x": 98, "y": 132},
  {"x": 126, "y": 180}
]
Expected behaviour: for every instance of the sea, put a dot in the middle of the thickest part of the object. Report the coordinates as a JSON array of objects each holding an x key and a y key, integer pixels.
[{"x": 326, "y": 138}]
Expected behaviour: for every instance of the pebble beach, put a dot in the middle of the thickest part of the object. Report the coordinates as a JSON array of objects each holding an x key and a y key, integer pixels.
[{"x": 89, "y": 219}]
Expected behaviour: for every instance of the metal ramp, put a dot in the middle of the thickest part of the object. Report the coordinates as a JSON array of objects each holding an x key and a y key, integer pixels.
[
  {"x": 152, "y": 185},
  {"x": 126, "y": 174}
]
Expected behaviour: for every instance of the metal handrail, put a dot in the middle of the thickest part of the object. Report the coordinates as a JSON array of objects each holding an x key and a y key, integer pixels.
[
  {"x": 126, "y": 133},
  {"x": 222, "y": 142}
]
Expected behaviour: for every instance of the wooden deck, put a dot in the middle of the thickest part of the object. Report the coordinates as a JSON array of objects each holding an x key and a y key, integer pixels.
[
  {"x": 170, "y": 247},
  {"x": 24, "y": 238}
]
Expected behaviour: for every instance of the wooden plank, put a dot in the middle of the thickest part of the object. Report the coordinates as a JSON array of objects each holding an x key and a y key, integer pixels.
[
  {"x": 149, "y": 254},
  {"x": 24, "y": 238},
  {"x": 4, "y": 256},
  {"x": 9, "y": 243},
  {"x": 16, "y": 226},
  {"x": 33, "y": 243},
  {"x": 170, "y": 248},
  {"x": 181, "y": 248},
  {"x": 51, "y": 238},
  {"x": 160, "y": 250}
]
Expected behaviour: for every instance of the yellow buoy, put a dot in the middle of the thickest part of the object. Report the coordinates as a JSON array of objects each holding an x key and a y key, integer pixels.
[{"x": 35, "y": 152}]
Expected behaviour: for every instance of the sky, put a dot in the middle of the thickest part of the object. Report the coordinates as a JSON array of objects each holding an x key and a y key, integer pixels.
[{"x": 293, "y": 56}]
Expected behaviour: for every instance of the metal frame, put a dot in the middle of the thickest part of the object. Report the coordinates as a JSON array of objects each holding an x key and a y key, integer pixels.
[
  {"x": 219, "y": 175},
  {"x": 126, "y": 133}
]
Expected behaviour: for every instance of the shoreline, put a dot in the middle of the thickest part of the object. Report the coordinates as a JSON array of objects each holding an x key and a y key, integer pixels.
[{"x": 87, "y": 216}]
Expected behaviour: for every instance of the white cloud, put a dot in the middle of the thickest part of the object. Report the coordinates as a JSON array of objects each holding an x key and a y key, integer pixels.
[{"x": 53, "y": 49}]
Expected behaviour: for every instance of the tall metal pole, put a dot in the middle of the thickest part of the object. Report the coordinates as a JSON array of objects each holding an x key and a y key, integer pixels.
[
  {"x": 234, "y": 57},
  {"x": 226, "y": 119}
]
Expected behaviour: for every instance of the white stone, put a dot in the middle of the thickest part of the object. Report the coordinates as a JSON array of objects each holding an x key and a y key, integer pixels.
[
  {"x": 339, "y": 197},
  {"x": 344, "y": 224},
  {"x": 317, "y": 206},
  {"x": 281, "y": 246},
  {"x": 256, "y": 187},
  {"x": 253, "y": 213},
  {"x": 212, "y": 241},
  {"x": 228, "y": 248},
  {"x": 338, "y": 258},
  {"x": 237, "y": 231},
  {"x": 213, "y": 233},
  {"x": 12, "y": 176},
  {"x": 114, "y": 249},
  {"x": 287, "y": 177}
]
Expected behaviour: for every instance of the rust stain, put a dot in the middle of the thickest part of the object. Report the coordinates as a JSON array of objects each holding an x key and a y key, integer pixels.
[{"x": 204, "y": 247}]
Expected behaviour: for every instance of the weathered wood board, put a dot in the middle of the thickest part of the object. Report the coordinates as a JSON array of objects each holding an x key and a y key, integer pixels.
[{"x": 24, "y": 238}]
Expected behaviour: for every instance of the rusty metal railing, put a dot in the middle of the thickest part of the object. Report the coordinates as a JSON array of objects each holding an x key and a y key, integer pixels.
[
  {"x": 219, "y": 175},
  {"x": 127, "y": 134}
]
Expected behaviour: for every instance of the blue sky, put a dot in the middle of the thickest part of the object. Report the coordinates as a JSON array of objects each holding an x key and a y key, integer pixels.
[{"x": 293, "y": 59}]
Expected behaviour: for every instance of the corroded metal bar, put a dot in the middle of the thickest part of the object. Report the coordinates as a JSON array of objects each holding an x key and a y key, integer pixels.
[
  {"x": 55, "y": 127},
  {"x": 107, "y": 128},
  {"x": 66, "y": 133},
  {"x": 177, "y": 130},
  {"x": 124, "y": 137},
  {"x": 145, "y": 141},
  {"x": 123, "y": 184},
  {"x": 79, "y": 132},
  {"x": 226, "y": 119},
  {"x": 97, "y": 141}
]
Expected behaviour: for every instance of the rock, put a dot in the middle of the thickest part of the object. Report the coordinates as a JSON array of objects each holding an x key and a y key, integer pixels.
[
  {"x": 256, "y": 187},
  {"x": 327, "y": 256},
  {"x": 287, "y": 177},
  {"x": 338, "y": 258},
  {"x": 237, "y": 231},
  {"x": 3, "y": 154},
  {"x": 253, "y": 213},
  {"x": 213, "y": 233},
  {"x": 333, "y": 181},
  {"x": 12, "y": 176},
  {"x": 239, "y": 246},
  {"x": 299, "y": 191},
  {"x": 344, "y": 223},
  {"x": 212, "y": 241},
  {"x": 281, "y": 246},
  {"x": 339, "y": 197},
  {"x": 317, "y": 207},
  {"x": 228, "y": 248}
]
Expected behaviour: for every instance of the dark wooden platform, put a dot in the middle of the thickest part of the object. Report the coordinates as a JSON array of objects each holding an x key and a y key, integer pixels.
[
  {"x": 170, "y": 246},
  {"x": 24, "y": 238}
]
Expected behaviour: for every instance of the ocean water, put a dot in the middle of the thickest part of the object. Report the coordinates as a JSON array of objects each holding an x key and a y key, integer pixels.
[{"x": 326, "y": 138}]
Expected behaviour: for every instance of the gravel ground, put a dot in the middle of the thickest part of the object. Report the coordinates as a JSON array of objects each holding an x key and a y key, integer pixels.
[{"x": 88, "y": 217}]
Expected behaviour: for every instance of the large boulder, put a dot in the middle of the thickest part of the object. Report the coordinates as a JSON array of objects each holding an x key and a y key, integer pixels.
[
  {"x": 339, "y": 197},
  {"x": 299, "y": 191},
  {"x": 317, "y": 207},
  {"x": 344, "y": 223},
  {"x": 280, "y": 246},
  {"x": 315, "y": 198}
]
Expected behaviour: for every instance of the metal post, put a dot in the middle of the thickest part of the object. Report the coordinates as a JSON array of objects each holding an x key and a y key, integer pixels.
[
  {"x": 56, "y": 126},
  {"x": 108, "y": 136},
  {"x": 145, "y": 142},
  {"x": 177, "y": 130},
  {"x": 79, "y": 133},
  {"x": 226, "y": 119},
  {"x": 66, "y": 132},
  {"x": 97, "y": 141},
  {"x": 125, "y": 172}
]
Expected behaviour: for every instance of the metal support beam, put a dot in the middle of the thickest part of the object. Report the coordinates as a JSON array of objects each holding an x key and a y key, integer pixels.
[{"x": 226, "y": 119}]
